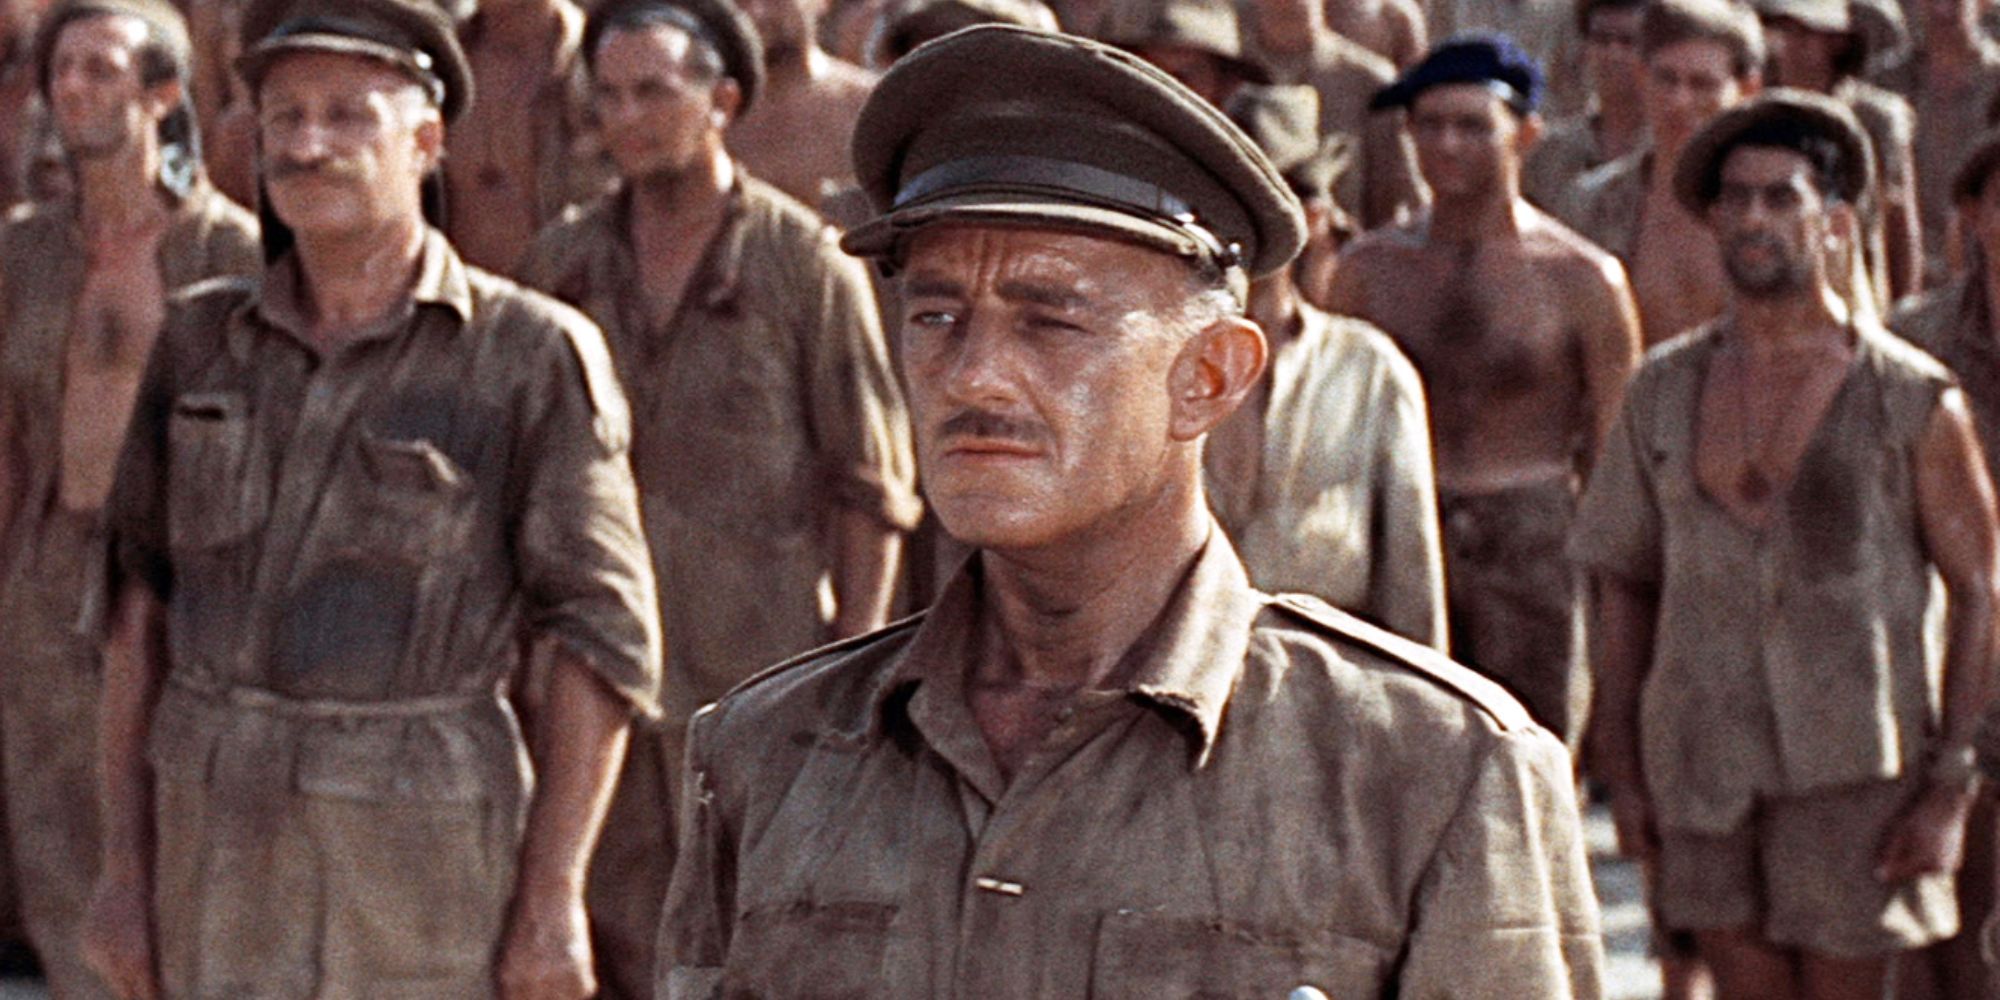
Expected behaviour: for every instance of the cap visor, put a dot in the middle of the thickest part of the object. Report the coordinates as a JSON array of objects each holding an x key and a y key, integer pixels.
[
  {"x": 882, "y": 236},
  {"x": 255, "y": 62}
]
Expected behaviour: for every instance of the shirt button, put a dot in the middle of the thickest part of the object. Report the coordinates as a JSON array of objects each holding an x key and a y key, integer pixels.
[{"x": 1000, "y": 886}]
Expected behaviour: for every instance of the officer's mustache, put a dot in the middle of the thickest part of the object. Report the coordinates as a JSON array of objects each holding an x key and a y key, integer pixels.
[
  {"x": 988, "y": 426},
  {"x": 284, "y": 168}
]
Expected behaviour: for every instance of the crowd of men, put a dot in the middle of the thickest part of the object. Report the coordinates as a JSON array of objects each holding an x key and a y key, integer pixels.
[{"x": 460, "y": 462}]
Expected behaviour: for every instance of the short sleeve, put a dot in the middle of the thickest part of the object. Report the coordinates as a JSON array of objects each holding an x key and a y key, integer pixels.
[
  {"x": 1617, "y": 526},
  {"x": 1505, "y": 909},
  {"x": 585, "y": 572}
]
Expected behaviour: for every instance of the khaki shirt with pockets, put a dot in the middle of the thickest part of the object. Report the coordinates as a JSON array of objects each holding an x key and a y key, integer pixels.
[
  {"x": 353, "y": 547},
  {"x": 765, "y": 406},
  {"x": 1799, "y": 657},
  {"x": 1280, "y": 796}
]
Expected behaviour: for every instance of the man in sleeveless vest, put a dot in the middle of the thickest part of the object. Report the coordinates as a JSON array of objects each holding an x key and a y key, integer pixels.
[{"x": 1783, "y": 486}]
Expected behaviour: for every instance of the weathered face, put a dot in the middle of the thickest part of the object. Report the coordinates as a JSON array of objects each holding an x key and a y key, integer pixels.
[
  {"x": 99, "y": 103},
  {"x": 1687, "y": 83},
  {"x": 1611, "y": 53},
  {"x": 1801, "y": 56},
  {"x": 1466, "y": 137},
  {"x": 1770, "y": 222},
  {"x": 1039, "y": 369},
  {"x": 659, "y": 106},
  {"x": 345, "y": 143}
]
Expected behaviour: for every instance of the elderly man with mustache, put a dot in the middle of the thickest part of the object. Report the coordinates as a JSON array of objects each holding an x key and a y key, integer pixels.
[{"x": 356, "y": 487}]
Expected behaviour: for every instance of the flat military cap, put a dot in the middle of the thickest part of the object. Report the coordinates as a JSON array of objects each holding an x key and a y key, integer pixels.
[
  {"x": 920, "y": 21},
  {"x": 1782, "y": 117},
  {"x": 721, "y": 24},
  {"x": 1211, "y": 26},
  {"x": 169, "y": 27},
  {"x": 1491, "y": 61},
  {"x": 414, "y": 36},
  {"x": 1004, "y": 126},
  {"x": 1969, "y": 182}
]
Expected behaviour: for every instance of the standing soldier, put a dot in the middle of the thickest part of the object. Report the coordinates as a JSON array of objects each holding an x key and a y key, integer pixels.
[
  {"x": 1957, "y": 325},
  {"x": 770, "y": 445},
  {"x": 1765, "y": 528},
  {"x": 1614, "y": 124},
  {"x": 1323, "y": 477},
  {"x": 517, "y": 163},
  {"x": 83, "y": 286},
  {"x": 1524, "y": 334},
  {"x": 1102, "y": 764},
  {"x": 1701, "y": 56},
  {"x": 354, "y": 489}
]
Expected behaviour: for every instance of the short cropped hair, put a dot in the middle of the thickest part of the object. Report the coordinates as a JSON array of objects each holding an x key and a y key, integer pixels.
[{"x": 1724, "y": 22}]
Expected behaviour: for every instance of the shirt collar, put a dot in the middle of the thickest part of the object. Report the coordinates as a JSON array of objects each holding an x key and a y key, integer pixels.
[
  {"x": 719, "y": 276},
  {"x": 442, "y": 280},
  {"x": 1185, "y": 666}
]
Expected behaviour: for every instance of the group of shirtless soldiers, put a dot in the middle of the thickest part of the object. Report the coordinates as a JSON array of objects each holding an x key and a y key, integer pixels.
[{"x": 422, "y": 422}]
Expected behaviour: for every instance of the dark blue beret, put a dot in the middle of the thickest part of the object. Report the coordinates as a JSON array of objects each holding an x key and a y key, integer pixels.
[{"x": 1492, "y": 60}]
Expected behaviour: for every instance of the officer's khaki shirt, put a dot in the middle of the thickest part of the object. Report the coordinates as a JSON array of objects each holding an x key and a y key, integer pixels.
[
  {"x": 1280, "y": 795},
  {"x": 42, "y": 269},
  {"x": 1794, "y": 658},
  {"x": 352, "y": 548},
  {"x": 766, "y": 406},
  {"x": 1344, "y": 505}
]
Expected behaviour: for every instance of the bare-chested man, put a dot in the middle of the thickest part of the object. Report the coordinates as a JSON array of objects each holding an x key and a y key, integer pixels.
[
  {"x": 1615, "y": 123},
  {"x": 1786, "y": 734},
  {"x": 517, "y": 162},
  {"x": 83, "y": 287},
  {"x": 1701, "y": 57},
  {"x": 770, "y": 442},
  {"x": 797, "y": 137},
  {"x": 1524, "y": 334}
]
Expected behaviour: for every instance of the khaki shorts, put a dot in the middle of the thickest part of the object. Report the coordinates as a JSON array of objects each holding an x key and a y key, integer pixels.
[
  {"x": 326, "y": 898},
  {"x": 1802, "y": 871}
]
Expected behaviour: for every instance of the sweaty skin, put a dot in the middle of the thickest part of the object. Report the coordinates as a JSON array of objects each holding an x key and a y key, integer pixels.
[
  {"x": 492, "y": 176},
  {"x": 1676, "y": 272},
  {"x": 799, "y": 133}
]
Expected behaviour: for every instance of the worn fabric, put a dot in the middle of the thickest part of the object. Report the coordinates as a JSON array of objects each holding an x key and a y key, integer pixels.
[
  {"x": 765, "y": 407},
  {"x": 1951, "y": 324},
  {"x": 1799, "y": 657},
  {"x": 49, "y": 672},
  {"x": 353, "y": 549},
  {"x": 1948, "y": 121},
  {"x": 1801, "y": 869},
  {"x": 1607, "y": 204},
  {"x": 1514, "y": 611},
  {"x": 1566, "y": 151},
  {"x": 1343, "y": 506},
  {"x": 1281, "y": 795},
  {"x": 326, "y": 897},
  {"x": 1383, "y": 179}
]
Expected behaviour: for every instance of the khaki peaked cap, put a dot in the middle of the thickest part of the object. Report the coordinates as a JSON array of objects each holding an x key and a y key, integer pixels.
[
  {"x": 1698, "y": 175},
  {"x": 414, "y": 36},
  {"x": 1007, "y": 126}
]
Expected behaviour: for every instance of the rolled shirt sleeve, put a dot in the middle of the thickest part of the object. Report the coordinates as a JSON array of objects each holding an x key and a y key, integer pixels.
[
  {"x": 1407, "y": 580},
  {"x": 585, "y": 573},
  {"x": 1506, "y": 908}
]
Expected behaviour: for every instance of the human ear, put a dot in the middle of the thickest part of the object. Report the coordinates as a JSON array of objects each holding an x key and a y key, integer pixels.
[{"x": 1215, "y": 371}]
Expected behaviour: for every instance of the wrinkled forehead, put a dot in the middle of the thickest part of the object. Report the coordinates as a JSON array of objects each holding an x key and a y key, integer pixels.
[
  {"x": 1085, "y": 270},
  {"x": 101, "y": 33},
  {"x": 332, "y": 77}
]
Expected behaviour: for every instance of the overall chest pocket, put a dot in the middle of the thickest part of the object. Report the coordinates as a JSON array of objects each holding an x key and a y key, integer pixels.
[
  {"x": 825, "y": 951},
  {"x": 1157, "y": 957},
  {"x": 217, "y": 492}
]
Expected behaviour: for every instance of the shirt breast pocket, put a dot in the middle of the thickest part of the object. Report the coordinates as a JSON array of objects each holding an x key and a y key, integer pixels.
[
  {"x": 415, "y": 503},
  {"x": 1157, "y": 957},
  {"x": 825, "y": 951},
  {"x": 216, "y": 489}
]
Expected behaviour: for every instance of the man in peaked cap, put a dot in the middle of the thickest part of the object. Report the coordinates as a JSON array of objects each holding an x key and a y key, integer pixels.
[
  {"x": 1525, "y": 334},
  {"x": 770, "y": 443},
  {"x": 1102, "y": 764},
  {"x": 355, "y": 489},
  {"x": 1765, "y": 528},
  {"x": 86, "y": 281}
]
